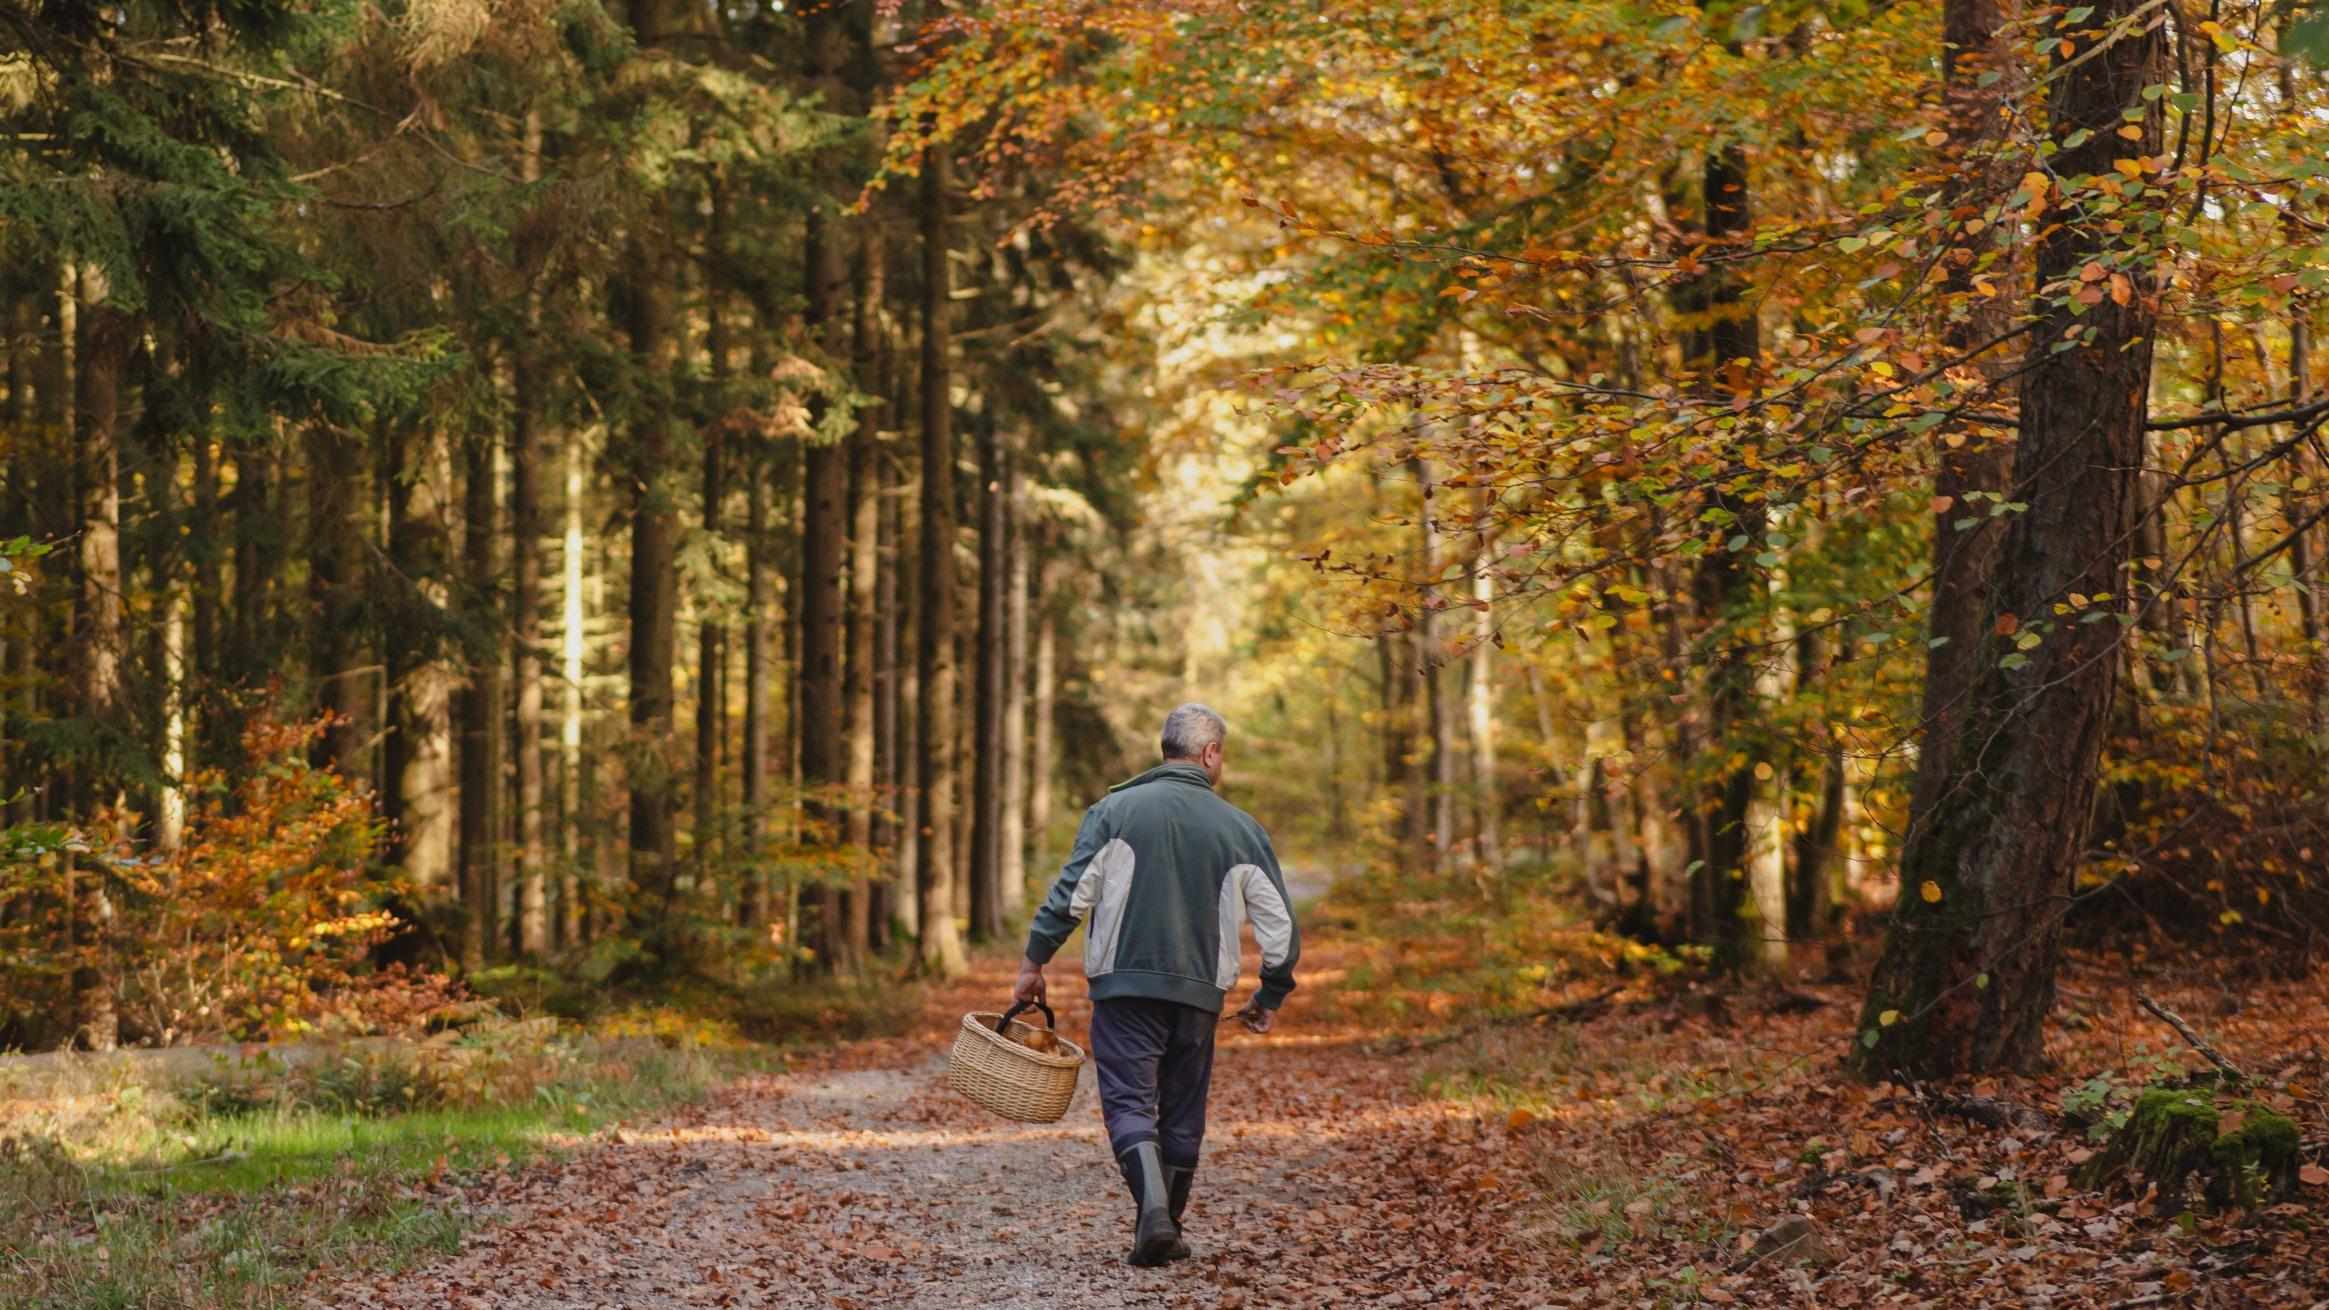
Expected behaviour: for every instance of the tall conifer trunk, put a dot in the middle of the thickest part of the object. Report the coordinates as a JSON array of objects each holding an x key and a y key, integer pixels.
[
  {"x": 986, "y": 864},
  {"x": 940, "y": 946},
  {"x": 480, "y": 713},
  {"x": 865, "y": 566},
  {"x": 650, "y": 276}
]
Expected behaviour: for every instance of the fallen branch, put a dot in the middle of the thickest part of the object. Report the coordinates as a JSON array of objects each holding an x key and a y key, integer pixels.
[{"x": 2198, "y": 1043}]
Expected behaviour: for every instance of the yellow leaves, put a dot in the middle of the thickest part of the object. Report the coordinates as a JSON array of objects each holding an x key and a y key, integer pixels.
[
  {"x": 2038, "y": 187},
  {"x": 1888, "y": 1018},
  {"x": 1931, "y": 892},
  {"x": 2131, "y": 131}
]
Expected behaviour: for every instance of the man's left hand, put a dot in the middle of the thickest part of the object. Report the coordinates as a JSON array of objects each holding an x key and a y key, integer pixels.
[{"x": 1030, "y": 986}]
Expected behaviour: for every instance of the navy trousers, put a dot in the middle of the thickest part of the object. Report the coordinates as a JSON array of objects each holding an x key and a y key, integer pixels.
[{"x": 1155, "y": 1064}]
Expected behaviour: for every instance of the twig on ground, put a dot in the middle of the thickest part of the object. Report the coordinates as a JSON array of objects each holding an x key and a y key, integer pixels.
[{"x": 2198, "y": 1043}]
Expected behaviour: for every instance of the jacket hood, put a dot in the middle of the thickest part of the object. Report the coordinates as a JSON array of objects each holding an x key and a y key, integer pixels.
[{"x": 1177, "y": 771}]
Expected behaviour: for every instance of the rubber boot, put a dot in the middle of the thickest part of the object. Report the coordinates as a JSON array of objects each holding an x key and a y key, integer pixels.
[
  {"x": 1153, "y": 1233},
  {"x": 1177, "y": 1179}
]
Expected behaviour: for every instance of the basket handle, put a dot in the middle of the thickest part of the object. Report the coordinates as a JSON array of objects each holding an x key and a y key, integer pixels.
[{"x": 1003, "y": 1024}]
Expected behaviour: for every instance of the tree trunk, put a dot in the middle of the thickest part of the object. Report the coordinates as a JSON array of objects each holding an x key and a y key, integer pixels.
[
  {"x": 1013, "y": 871},
  {"x": 102, "y": 342},
  {"x": 654, "y": 580},
  {"x": 1726, "y": 339},
  {"x": 711, "y": 638},
  {"x": 1967, "y": 975},
  {"x": 480, "y": 712},
  {"x": 866, "y": 493},
  {"x": 887, "y": 897},
  {"x": 1042, "y": 710},
  {"x": 418, "y": 754},
  {"x": 1980, "y": 39},
  {"x": 525, "y": 600},
  {"x": 986, "y": 865},
  {"x": 759, "y": 631},
  {"x": 333, "y": 509},
  {"x": 824, "y": 533},
  {"x": 940, "y": 948},
  {"x": 575, "y": 784},
  {"x": 1487, "y": 788},
  {"x": 1439, "y": 706}
]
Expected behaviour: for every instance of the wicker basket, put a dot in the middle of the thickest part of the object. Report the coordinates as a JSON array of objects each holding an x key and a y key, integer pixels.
[{"x": 1007, "y": 1078}]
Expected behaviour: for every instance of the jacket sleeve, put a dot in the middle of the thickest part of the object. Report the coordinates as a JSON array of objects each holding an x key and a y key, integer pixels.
[
  {"x": 1273, "y": 928},
  {"x": 1057, "y": 916}
]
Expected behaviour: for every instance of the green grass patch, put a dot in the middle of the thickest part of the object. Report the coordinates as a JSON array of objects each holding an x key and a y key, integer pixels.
[{"x": 229, "y": 1187}]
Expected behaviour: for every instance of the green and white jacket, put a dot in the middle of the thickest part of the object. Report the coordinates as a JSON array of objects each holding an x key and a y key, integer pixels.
[{"x": 1168, "y": 873}]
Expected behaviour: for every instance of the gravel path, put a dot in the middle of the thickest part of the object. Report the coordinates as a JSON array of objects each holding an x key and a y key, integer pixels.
[{"x": 862, "y": 1181}]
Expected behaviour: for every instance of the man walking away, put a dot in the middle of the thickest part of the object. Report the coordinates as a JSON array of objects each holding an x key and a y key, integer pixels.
[{"x": 1168, "y": 873}]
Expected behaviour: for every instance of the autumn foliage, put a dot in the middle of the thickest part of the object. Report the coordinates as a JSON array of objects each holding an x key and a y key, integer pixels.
[{"x": 245, "y": 930}]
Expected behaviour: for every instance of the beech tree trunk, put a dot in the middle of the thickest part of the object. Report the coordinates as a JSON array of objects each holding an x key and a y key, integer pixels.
[
  {"x": 1966, "y": 980},
  {"x": 1724, "y": 337},
  {"x": 1967, "y": 536},
  {"x": 1487, "y": 787},
  {"x": 940, "y": 947}
]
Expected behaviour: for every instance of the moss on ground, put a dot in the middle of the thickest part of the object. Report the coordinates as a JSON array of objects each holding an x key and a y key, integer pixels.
[{"x": 2236, "y": 1153}]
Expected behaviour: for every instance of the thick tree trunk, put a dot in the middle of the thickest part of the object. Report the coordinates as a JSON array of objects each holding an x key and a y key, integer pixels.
[
  {"x": 480, "y": 713},
  {"x": 1966, "y": 980},
  {"x": 940, "y": 947},
  {"x": 1980, "y": 37},
  {"x": 986, "y": 865}
]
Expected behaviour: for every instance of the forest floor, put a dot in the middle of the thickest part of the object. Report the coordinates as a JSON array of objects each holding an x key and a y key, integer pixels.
[{"x": 1625, "y": 1143}]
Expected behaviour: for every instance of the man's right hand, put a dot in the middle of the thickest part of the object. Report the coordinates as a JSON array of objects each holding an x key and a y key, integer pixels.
[{"x": 1030, "y": 986}]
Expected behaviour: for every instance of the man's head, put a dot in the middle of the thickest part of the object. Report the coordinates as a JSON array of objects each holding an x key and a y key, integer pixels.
[{"x": 1195, "y": 735}]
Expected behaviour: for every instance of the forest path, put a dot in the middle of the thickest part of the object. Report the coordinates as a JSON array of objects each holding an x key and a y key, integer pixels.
[{"x": 860, "y": 1180}]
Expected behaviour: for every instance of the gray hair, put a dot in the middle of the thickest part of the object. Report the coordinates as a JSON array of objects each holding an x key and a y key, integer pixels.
[{"x": 1189, "y": 729}]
